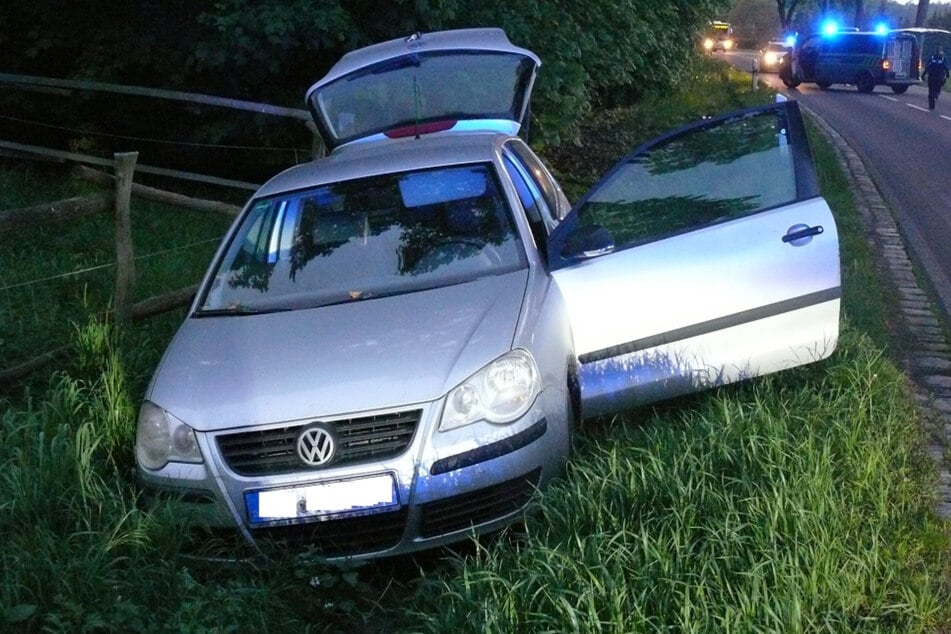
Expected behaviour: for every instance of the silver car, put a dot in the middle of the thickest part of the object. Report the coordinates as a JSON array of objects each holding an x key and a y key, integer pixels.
[
  {"x": 393, "y": 343},
  {"x": 771, "y": 56}
]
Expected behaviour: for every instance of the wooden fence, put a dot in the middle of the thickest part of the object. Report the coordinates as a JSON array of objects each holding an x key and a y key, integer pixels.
[
  {"x": 125, "y": 310},
  {"x": 124, "y": 164}
]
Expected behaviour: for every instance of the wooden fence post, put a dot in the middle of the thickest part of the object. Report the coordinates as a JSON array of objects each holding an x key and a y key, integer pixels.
[{"x": 125, "y": 256}]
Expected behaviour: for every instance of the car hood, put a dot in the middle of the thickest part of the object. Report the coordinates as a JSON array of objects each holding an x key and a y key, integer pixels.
[
  {"x": 460, "y": 80},
  {"x": 225, "y": 372}
]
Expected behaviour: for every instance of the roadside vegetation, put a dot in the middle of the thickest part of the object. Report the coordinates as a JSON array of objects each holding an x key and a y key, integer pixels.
[{"x": 800, "y": 502}]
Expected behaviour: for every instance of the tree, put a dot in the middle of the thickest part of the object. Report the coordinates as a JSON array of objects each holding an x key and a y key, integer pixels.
[
  {"x": 786, "y": 9},
  {"x": 602, "y": 53},
  {"x": 921, "y": 16}
]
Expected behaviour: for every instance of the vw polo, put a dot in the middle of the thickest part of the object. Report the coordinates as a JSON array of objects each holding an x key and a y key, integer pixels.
[{"x": 393, "y": 343}]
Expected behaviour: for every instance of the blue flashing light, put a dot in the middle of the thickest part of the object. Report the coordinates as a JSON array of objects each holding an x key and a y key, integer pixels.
[
  {"x": 790, "y": 40},
  {"x": 830, "y": 28},
  {"x": 881, "y": 28}
]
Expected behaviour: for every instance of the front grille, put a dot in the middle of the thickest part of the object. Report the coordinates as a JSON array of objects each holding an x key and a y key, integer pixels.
[
  {"x": 274, "y": 451},
  {"x": 341, "y": 537},
  {"x": 471, "y": 509}
]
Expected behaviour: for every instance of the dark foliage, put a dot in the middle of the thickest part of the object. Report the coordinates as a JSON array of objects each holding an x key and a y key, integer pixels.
[{"x": 605, "y": 53}]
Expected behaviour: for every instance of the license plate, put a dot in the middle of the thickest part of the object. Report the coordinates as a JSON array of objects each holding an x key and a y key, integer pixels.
[{"x": 315, "y": 500}]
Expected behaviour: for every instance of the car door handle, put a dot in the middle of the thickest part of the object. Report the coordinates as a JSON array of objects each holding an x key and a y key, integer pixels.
[{"x": 799, "y": 235}]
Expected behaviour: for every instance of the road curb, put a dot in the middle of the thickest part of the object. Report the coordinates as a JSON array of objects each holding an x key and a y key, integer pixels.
[{"x": 926, "y": 360}]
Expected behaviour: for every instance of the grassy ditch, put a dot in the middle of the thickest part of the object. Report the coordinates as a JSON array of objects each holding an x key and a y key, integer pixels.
[
  {"x": 794, "y": 504},
  {"x": 800, "y": 502}
]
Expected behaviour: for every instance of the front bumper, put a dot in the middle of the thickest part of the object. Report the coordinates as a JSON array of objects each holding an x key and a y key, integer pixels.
[{"x": 446, "y": 485}]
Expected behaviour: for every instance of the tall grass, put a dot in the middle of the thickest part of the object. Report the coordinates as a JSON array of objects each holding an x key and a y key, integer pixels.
[
  {"x": 79, "y": 554},
  {"x": 794, "y": 504},
  {"x": 70, "y": 525}
]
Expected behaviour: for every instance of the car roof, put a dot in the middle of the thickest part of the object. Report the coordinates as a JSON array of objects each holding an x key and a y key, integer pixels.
[
  {"x": 384, "y": 157},
  {"x": 919, "y": 29}
]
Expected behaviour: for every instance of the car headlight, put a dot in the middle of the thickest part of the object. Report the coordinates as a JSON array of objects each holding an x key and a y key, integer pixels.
[
  {"x": 708, "y": 44},
  {"x": 770, "y": 58},
  {"x": 727, "y": 44},
  {"x": 161, "y": 438},
  {"x": 498, "y": 393}
]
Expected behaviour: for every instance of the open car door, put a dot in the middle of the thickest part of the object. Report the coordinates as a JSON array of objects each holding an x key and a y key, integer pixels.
[{"x": 704, "y": 257}]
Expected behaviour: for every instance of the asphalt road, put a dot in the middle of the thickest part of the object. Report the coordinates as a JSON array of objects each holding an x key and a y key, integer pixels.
[{"x": 907, "y": 151}]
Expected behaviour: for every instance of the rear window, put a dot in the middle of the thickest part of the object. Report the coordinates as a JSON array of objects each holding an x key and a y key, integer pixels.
[{"x": 422, "y": 88}]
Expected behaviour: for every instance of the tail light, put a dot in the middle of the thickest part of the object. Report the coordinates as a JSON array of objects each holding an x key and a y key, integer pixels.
[{"x": 886, "y": 64}]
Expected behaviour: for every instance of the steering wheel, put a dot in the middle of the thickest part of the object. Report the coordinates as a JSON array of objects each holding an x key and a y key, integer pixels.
[{"x": 447, "y": 250}]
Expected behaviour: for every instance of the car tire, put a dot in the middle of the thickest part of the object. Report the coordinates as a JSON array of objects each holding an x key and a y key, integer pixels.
[
  {"x": 900, "y": 90},
  {"x": 824, "y": 84},
  {"x": 864, "y": 82},
  {"x": 789, "y": 81}
]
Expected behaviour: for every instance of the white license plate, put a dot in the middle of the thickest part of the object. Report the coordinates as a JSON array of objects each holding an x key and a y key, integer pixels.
[{"x": 314, "y": 500}]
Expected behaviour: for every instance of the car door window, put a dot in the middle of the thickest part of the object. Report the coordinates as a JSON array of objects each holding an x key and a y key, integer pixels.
[{"x": 696, "y": 177}]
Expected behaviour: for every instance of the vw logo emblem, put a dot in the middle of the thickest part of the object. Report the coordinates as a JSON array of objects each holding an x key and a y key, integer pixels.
[{"x": 315, "y": 446}]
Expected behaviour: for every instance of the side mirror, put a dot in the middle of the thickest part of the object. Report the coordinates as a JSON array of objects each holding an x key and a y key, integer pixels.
[{"x": 588, "y": 242}]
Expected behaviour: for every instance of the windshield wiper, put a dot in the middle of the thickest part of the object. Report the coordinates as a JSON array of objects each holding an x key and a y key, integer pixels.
[{"x": 232, "y": 311}]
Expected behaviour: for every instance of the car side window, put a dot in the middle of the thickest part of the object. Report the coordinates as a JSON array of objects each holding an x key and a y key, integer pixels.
[{"x": 699, "y": 177}]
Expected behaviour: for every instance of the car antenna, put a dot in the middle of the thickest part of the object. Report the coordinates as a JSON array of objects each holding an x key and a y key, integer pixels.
[
  {"x": 416, "y": 103},
  {"x": 413, "y": 42}
]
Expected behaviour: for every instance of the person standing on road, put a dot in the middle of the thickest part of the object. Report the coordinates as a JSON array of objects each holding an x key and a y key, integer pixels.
[{"x": 937, "y": 71}]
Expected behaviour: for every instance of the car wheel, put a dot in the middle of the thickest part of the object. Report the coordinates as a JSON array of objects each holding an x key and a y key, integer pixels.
[
  {"x": 900, "y": 90},
  {"x": 786, "y": 75},
  {"x": 864, "y": 83},
  {"x": 823, "y": 84},
  {"x": 790, "y": 82}
]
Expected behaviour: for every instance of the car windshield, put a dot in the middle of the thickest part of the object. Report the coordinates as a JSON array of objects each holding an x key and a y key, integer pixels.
[{"x": 366, "y": 238}]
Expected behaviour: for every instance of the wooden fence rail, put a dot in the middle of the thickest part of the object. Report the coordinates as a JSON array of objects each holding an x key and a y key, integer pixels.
[
  {"x": 68, "y": 209},
  {"x": 45, "y": 84},
  {"x": 160, "y": 195}
]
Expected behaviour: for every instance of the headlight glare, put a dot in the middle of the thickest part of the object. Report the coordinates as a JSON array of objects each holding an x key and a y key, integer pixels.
[
  {"x": 499, "y": 393},
  {"x": 161, "y": 438}
]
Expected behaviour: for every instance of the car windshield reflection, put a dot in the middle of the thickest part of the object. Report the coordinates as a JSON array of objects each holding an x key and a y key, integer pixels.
[{"x": 364, "y": 239}]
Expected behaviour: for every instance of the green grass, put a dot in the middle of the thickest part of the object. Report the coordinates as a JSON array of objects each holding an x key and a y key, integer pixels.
[
  {"x": 868, "y": 301},
  {"x": 801, "y": 502}
]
